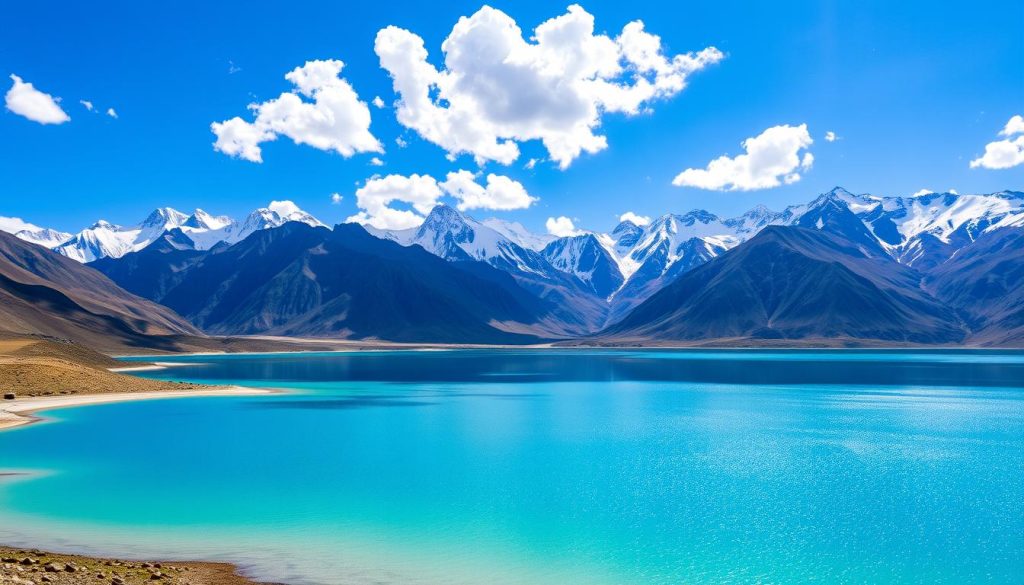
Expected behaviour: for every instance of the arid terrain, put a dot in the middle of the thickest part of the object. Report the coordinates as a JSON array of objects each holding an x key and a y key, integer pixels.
[
  {"x": 30, "y": 567},
  {"x": 39, "y": 367}
]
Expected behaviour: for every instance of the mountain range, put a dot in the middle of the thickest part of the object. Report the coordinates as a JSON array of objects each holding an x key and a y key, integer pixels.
[
  {"x": 932, "y": 268},
  {"x": 301, "y": 280},
  {"x": 106, "y": 240},
  {"x": 48, "y": 294}
]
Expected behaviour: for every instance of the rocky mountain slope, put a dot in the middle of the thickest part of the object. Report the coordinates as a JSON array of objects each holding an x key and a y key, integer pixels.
[
  {"x": 48, "y": 294},
  {"x": 300, "y": 280},
  {"x": 956, "y": 252},
  {"x": 984, "y": 281},
  {"x": 794, "y": 283}
]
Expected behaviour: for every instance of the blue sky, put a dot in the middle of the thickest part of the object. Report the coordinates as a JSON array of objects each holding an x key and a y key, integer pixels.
[{"x": 914, "y": 91}]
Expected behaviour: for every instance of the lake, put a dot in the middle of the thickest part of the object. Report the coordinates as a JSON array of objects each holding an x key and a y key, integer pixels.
[{"x": 548, "y": 467}]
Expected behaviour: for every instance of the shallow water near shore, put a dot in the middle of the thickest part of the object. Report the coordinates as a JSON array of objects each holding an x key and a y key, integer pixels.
[{"x": 548, "y": 467}]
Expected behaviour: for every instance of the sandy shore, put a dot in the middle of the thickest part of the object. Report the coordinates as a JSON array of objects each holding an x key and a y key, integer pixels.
[
  {"x": 149, "y": 367},
  {"x": 49, "y": 374},
  {"x": 21, "y": 411}
]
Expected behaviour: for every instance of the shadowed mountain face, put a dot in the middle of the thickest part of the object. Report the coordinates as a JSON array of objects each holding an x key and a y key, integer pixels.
[
  {"x": 448, "y": 233},
  {"x": 828, "y": 213},
  {"x": 934, "y": 268},
  {"x": 44, "y": 293},
  {"x": 985, "y": 283},
  {"x": 311, "y": 281},
  {"x": 790, "y": 282},
  {"x": 657, "y": 271},
  {"x": 156, "y": 269},
  {"x": 583, "y": 257}
]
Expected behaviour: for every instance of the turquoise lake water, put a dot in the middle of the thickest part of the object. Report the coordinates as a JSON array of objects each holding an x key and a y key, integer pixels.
[{"x": 548, "y": 467}]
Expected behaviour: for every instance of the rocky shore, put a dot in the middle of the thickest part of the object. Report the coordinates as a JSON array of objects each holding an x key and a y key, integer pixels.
[{"x": 34, "y": 567}]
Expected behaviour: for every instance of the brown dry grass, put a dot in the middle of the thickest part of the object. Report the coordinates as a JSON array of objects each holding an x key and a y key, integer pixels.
[{"x": 43, "y": 367}]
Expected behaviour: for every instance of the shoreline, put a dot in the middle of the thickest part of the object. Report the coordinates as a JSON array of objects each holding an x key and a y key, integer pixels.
[
  {"x": 129, "y": 358},
  {"x": 148, "y": 368},
  {"x": 28, "y": 566},
  {"x": 21, "y": 412}
]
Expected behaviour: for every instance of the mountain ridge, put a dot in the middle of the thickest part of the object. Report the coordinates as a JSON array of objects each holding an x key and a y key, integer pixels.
[
  {"x": 581, "y": 285},
  {"x": 302, "y": 280},
  {"x": 47, "y": 294},
  {"x": 790, "y": 282}
]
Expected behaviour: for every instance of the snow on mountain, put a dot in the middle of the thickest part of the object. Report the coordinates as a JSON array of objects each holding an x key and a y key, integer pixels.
[
  {"x": 586, "y": 258},
  {"x": 276, "y": 214},
  {"x": 519, "y": 234},
  {"x": 751, "y": 222},
  {"x": 164, "y": 218},
  {"x": 943, "y": 214},
  {"x": 44, "y": 237},
  {"x": 200, "y": 220},
  {"x": 104, "y": 239},
  {"x": 925, "y": 230},
  {"x": 664, "y": 249},
  {"x": 661, "y": 243},
  {"x": 832, "y": 212},
  {"x": 625, "y": 236},
  {"x": 206, "y": 230},
  {"x": 449, "y": 234},
  {"x": 576, "y": 305},
  {"x": 32, "y": 233},
  {"x": 13, "y": 225},
  {"x": 921, "y": 231}
]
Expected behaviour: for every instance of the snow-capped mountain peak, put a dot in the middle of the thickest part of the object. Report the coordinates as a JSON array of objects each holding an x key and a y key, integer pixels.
[
  {"x": 44, "y": 237},
  {"x": 588, "y": 259},
  {"x": 287, "y": 211},
  {"x": 752, "y": 221},
  {"x": 164, "y": 218},
  {"x": 32, "y": 233},
  {"x": 450, "y": 234},
  {"x": 13, "y": 225},
  {"x": 103, "y": 239},
  {"x": 204, "y": 221},
  {"x": 275, "y": 214},
  {"x": 519, "y": 234},
  {"x": 698, "y": 216}
]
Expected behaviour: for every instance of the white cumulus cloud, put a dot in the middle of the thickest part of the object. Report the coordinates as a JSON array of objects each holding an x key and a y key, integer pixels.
[
  {"x": 25, "y": 100},
  {"x": 112, "y": 113},
  {"x": 86, "y": 104},
  {"x": 831, "y": 136},
  {"x": 501, "y": 193},
  {"x": 561, "y": 227},
  {"x": 772, "y": 158},
  {"x": 1014, "y": 126},
  {"x": 335, "y": 120},
  {"x": 377, "y": 102},
  {"x": 497, "y": 89},
  {"x": 640, "y": 220},
  {"x": 376, "y": 162},
  {"x": 1007, "y": 153},
  {"x": 375, "y": 199},
  {"x": 336, "y": 198},
  {"x": 398, "y": 202}
]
